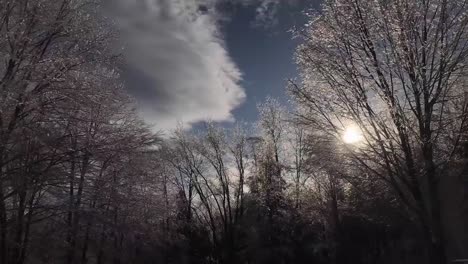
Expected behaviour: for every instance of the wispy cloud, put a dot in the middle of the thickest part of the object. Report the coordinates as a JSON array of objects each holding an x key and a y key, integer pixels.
[
  {"x": 177, "y": 64},
  {"x": 266, "y": 11}
]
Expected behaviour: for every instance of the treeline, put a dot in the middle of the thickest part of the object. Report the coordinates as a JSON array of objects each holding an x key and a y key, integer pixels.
[
  {"x": 72, "y": 149},
  {"x": 84, "y": 180}
]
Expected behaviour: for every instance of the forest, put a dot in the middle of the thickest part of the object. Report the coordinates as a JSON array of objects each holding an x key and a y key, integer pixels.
[{"x": 369, "y": 163}]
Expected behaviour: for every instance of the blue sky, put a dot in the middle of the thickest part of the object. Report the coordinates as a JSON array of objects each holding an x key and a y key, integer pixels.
[
  {"x": 188, "y": 61},
  {"x": 263, "y": 53}
]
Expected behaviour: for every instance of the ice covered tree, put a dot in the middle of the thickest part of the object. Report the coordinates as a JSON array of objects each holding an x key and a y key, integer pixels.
[{"x": 395, "y": 70}]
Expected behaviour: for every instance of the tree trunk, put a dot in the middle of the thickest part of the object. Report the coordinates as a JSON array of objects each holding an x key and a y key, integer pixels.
[
  {"x": 334, "y": 225},
  {"x": 84, "y": 259},
  {"x": 434, "y": 248},
  {"x": 27, "y": 228},
  {"x": 100, "y": 255},
  {"x": 3, "y": 224},
  {"x": 71, "y": 201},
  {"x": 76, "y": 208},
  {"x": 18, "y": 242},
  {"x": 437, "y": 247}
]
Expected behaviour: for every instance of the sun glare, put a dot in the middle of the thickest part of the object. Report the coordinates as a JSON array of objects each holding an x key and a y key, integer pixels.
[{"x": 352, "y": 135}]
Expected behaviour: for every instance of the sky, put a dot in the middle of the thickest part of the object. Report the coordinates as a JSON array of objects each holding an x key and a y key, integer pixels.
[
  {"x": 263, "y": 50},
  {"x": 188, "y": 61}
]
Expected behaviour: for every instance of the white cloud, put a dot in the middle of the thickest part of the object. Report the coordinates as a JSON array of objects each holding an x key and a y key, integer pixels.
[
  {"x": 178, "y": 66},
  {"x": 266, "y": 13}
]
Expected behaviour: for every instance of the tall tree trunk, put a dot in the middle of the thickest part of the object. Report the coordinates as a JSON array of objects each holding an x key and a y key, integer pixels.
[
  {"x": 22, "y": 190},
  {"x": 100, "y": 254},
  {"x": 102, "y": 241},
  {"x": 437, "y": 248},
  {"x": 27, "y": 227},
  {"x": 334, "y": 223},
  {"x": 70, "y": 213},
  {"x": 3, "y": 224},
  {"x": 18, "y": 241},
  {"x": 84, "y": 252},
  {"x": 3, "y": 213},
  {"x": 76, "y": 209}
]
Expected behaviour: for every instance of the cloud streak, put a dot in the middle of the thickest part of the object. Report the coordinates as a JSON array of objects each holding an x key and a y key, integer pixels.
[
  {"x": 177, "y": 65},
  {"x": 266, "y": 11}
]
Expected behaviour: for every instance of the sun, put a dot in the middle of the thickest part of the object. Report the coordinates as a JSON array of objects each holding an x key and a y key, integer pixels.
[{"x": 352, "y": 135}]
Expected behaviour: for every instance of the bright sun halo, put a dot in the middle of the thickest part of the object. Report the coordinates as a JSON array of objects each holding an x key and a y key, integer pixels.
[{"x": 352, "y": 135}]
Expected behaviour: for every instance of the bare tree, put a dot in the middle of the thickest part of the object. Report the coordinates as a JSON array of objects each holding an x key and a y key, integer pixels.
[
  {"x": 395, "y": 69},
  {"x": 212, "y": 175}
]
